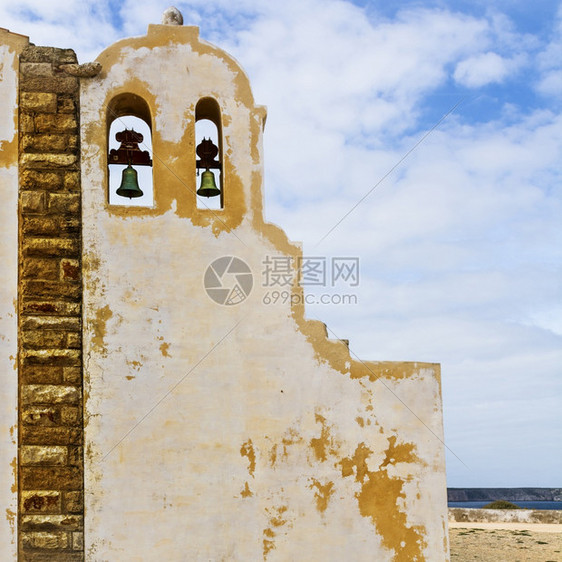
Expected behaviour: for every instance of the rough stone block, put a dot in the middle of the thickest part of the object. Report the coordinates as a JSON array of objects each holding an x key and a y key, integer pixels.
[
  {"x": 48, "y": 454},
  {"x": 75, "y": 456},
  {"x": 51, "y": 478},
  {"x": 26, "y": 123},
  {"x": 35, "y": 179},
  {"x": 39, "y": 435},
  {"x": 38, "y": 102},
  {"x": 60, "y": 84},
  {"x": 55, "y": 556},
  {"x": 64, "y": 203},
  {"x": 77, "y": 541},
  {"x": 63, "y": 357},
  {"x": 57, "y": 123},
  {"x": 76, "y": 436},
  {"x": 50, "y": 143},
  {"x": 45, "y": 416},
  {"x": 36, "y": 69},
  {"x": 65, "y": 56},
  {"x": 33, "y": 201},
  {"x": 51, "y": 523},
  {"x": 73, "y": 502},
  {"x": 39, "y": 268},
  {"x": 57, "y": 289},
  {"x": 49, "y": 394},
  {"x": 65, "y": 104},
  {"x": 50, "y": 225},
  {"x": 73, "y": 340},
  {"x": 38, "y": 501},
  {"x": 43, "y": 339},
  {"x": 66, "y": 247},
  {"x": 50, "y": 541},
  {"x": 72, "y": 181},
  {"x": 41, "y": 374},
  {"x": 70, "y": 415},
  {"x": 69, "y": 270},
  {"x": 72, "y": 375},
  {"x": 47, "y": 160},
  {"x": 40, "y": 226},
  {"x": 32, "y": 53},
  {"x": 39, "y": 307},
  {"x": 51, "y": 323}
]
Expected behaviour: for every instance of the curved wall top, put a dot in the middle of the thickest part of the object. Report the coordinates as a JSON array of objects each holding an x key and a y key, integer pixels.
[{"x": 171, "y": 69}]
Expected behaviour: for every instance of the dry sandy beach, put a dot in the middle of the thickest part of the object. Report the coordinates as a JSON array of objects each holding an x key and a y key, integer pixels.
[{"x": 505, "y": 542}]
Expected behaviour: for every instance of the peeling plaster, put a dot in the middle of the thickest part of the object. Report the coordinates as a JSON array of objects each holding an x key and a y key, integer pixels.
[
  {"x": 324, "y": 444},
  {"x": 277, "y": 520},
  {"x": 406, "y": 541},
  {"x": 247, "y": 450},
  {"x": 246, "y": 492},
  {"x": 164, "y": 349},
  {"x": 99, "y": 327},
  {"x": 323, "y": 494}
]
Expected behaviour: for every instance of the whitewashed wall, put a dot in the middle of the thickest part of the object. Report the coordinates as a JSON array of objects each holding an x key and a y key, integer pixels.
[
  {"x": 10, "y": 46},
  {"x": 230, "y": 432}
]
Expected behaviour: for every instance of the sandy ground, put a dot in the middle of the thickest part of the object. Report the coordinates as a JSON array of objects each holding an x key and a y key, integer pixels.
[{"x": 505, "y": 542}]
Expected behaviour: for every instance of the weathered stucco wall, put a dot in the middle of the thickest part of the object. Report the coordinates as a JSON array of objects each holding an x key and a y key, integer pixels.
[
  {"x": 10, "y": 46},
  {"x": 230, "y": 432}
]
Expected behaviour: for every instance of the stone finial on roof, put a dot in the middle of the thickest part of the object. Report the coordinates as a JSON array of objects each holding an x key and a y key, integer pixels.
[{"x": 172, "y": 16}]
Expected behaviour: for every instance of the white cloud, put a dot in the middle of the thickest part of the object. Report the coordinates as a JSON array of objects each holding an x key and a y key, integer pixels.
[
  {"x": 86, "y": 27},
  {"x": 549, "y": 62},
  {"x": 333, "y": 70},
  {"x": 457, "y": 245},
  {"x": 551, "y": 83},
  {"x": 482, "y": 69}
]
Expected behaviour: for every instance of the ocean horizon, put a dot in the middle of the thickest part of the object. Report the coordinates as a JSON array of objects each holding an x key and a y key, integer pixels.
[{"x": 523, "y": 504}]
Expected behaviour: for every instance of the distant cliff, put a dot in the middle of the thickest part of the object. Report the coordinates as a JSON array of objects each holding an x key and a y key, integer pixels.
[{"x": 510, "y": 494}]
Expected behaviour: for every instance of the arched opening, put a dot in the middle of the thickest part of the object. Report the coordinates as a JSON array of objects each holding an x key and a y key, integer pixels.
[
  {"x": 130, "y": 152},
  {"x": 209, "y": 160}
]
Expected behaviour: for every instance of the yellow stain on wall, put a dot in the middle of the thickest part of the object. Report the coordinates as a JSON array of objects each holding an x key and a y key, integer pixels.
[
  {"x": 324, "y": 444},
  {"x": 99, "y": 326},
  {"x": 273, "y": 455},
  {"x": 276, "y": 521},
  {"x": 14, "y": 465},
  {"x": 135, "y": 365},
  {"x": 246, "y": 492},
  {"x": 11, "y": 518},
  {"x": 379, "y": 495},
  {"x": 291, "y": 437},
  {"x": 323, "y": 494},
  {"x": 401, "y": 452},
  {"x": 247, "y": 450}
]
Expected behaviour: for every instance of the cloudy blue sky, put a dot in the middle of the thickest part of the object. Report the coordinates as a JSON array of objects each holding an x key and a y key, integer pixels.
[{"x": 460, "y": 241}]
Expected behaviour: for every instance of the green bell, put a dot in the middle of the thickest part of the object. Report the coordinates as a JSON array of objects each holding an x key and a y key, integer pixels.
[
  {"x": 129, "y": 184},
  {"x": 208, "y": 186}
]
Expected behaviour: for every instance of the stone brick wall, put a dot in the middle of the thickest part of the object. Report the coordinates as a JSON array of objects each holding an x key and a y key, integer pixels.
[{"x": 50, "y": 354}]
